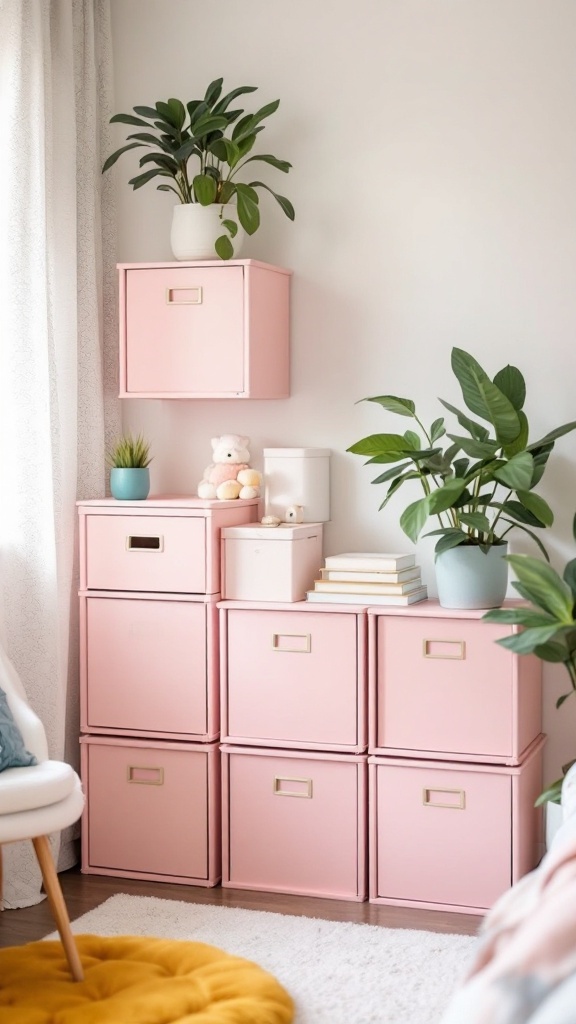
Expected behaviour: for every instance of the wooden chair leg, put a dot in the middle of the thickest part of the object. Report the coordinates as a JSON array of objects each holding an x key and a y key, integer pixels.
[{"x": 57, "y": 904}]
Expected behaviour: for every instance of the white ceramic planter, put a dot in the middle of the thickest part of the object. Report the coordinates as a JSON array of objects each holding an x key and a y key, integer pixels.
[
  {"x": 466, "y": 577},
  {"x": 195, "y": 229},
  {"x": 553, "y": 817}
]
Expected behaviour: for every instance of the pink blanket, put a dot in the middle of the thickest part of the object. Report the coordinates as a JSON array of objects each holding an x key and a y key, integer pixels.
[{"x": 525, "y": 967}]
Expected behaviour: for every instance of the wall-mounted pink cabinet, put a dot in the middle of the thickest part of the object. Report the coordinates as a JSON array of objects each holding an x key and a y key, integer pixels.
[{"x": 208, "y": 329}]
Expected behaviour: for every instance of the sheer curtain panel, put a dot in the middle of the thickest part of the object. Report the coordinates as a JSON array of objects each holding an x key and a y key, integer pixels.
[{"x": 57, "y": 349}]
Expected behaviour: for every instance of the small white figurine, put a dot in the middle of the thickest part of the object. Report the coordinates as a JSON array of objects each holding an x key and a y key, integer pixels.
[{"x": 294, "y": 514}]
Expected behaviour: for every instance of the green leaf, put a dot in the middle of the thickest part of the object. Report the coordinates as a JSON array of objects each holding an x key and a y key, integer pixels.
[
  {"x": 281, "y": 165},
  {"x": 142, "y": 179},
  {"x": 389, "y": 474},
  {"x": 484, "y": 398},
  {"x": 476, "y": 520},
  {"x": 517, "y": 472},
  {"x": 519, "y": 445},
  {"x": 113, "y": 158},
  {"x": 519, "y": 617},
  {"x": 564, "y": 697},
  {"x": 412, "y": 440},
  {"x": 553, "y": 435},
  {"x": 476, "y": 449},
  {"x": 225, "y": 102},
  {"x": 537, "y": 506},
  {"x": 231, "y": 227},
  {"x": 402, "y": 406},
  {"x": 551, "y": 794},
  {"x": 248, "y": 212},
  {"x": 528, "y": 640},
  {"x": 512, "y": 384},
  {"x": 541, "y": 456},
  {"x": 283, "y": 203},
  {"x": 225, "y": 150},
  {"x": 161, "y": 160},
  {"x": 207, "y": 124},
  {"x": 204, "y": 189},
  {"x": 148, "y": 112},
  {"x": 414, "y": 517},
  {"x": 151, "y": 140},
  {"x": 247, "y": 125},
  {"x": 537, "y": 541},
  {"x": 555, "y": 653},
  {"x": 517, "y": 511},
  {"x": 569, "y": 576},
  {"x": 224, "y": 247},
  {"x": 476, "y": 430},
  {"x": 213, "y": 92},
  {"x": 381, "y": 444},
  {"x": 394, "y": 487},
  {"x": 445, "y": 496},
  {"x": 437, "y": 430},
  {"x": 129, "y": 119},
  {"x": 451, "y": 539},
  {"x": 544, "y": 585}
]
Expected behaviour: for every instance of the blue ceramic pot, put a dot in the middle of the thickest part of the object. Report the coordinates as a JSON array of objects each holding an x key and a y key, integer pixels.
[
  {"x": 468, "y": 578},
  {"x": 130, "y": 484}
]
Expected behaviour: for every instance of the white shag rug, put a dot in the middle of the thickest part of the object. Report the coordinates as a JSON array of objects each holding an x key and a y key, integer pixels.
[{"x": 337, "y": 973}]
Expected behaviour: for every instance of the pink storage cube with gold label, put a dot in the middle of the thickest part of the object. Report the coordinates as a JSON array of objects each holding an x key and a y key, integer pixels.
[
  {"x": 441, "y": 686},
  {"x": 152, "y": 810},
  {"x": 294, "y": 822},
  {"x": 293, "y": 676},
  {"x": 452, "y": 836}
]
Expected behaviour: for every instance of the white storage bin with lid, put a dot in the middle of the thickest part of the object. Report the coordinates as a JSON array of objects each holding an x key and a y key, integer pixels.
[
  {"x": 297, "y": 476},
  {"x": 260, "y": 563}
]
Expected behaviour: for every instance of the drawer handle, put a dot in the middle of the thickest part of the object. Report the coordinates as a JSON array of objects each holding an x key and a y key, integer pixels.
[
  {"x": 144, "y": 543},
  {"x": 429, "y": 801},
  {"x": 306, "y": 637},
  {"x": 195, "y": 292},
  {"x": 278, "y": 791},
  {"x": 143, "y": 775},
  {"x": 457, "y": 655}
]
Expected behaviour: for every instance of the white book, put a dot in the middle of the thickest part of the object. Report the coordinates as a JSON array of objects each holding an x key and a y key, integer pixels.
[
  {"x": 337, "y": 587},
  {"x": 370, "y": 560},
  {"x": 371, "y": 575},
  {"x": 314, "y": 596}
]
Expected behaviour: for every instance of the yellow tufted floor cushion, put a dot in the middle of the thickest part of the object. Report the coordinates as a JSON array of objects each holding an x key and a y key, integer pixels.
[{"x": 133, "y": 980}]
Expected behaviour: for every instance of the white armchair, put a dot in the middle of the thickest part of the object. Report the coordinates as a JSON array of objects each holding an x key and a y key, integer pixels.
[{"x": 37, "y": 800}]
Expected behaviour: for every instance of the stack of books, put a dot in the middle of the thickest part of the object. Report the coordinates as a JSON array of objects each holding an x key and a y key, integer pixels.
[{"x": 362, "y": 577}]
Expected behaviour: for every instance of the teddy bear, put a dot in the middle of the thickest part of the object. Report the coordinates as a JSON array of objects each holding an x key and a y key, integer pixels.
[{"x": 229, "y": 475}]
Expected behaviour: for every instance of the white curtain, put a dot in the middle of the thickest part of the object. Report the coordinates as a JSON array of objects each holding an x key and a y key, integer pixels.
[{"x": 57, "y": 350}]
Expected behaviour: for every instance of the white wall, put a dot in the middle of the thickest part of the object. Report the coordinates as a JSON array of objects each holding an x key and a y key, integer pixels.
[{"x": 433, "y": 145}]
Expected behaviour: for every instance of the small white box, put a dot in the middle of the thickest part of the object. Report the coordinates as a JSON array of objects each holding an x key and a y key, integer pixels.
[
  {"x": 260, "y": 563},
  {"x": 297, "y": 476}
]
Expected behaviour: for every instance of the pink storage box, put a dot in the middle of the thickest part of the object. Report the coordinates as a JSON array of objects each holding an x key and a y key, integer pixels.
[
  {"x": 452, "y": 836},
  {"x": 152, "y": 810},
  {"x": 260, "y": 563},
  {"x": 294, "y": 822}
]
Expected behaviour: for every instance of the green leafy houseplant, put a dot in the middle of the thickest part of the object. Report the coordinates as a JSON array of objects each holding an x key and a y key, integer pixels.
[
  {"x": 130, "y": 453},
  {"x": 200, "y": 146},
  {"x": 548, "y": 625},
  {"x": 479, "y": 486}
]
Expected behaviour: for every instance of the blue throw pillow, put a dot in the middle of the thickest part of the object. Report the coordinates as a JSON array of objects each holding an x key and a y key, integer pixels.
[{"x": 13, "y": 753}]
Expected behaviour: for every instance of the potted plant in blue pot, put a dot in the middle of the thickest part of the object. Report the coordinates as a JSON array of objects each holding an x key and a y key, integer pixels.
[
  {"x": 479, "y": 485},
  {"x": 197, "y": 150},
  {"x": 129, "y": 473}
]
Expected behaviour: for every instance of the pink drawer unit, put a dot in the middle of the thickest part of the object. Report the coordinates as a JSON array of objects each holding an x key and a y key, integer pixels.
[
  {"x": 452, "y": 836},
  {"x": 294, "y": 823},
  {"x": 152, "y": 810},
  {"x": 206, "y": 329},
  {"x": 441, "y": 686},
  {"x": 166, "y": 545},
  {"x": 149, "y": 666},
  {"x": 293, "y": 677}
]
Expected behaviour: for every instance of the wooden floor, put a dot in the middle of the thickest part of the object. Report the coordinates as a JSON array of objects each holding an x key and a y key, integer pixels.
[{"x": 84, "y": 892}]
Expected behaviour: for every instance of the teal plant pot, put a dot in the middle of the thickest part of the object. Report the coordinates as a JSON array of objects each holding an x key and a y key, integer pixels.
[
  {"x": 466, "y": 577},
  {"x": 130, "y": 484}
]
